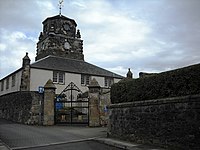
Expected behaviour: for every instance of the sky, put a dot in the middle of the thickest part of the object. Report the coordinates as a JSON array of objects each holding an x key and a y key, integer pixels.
[{"x": 144, "y": 35}]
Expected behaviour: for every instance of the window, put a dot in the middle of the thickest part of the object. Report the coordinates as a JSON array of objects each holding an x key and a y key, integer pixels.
[
  {"x": 108, "y": 81},
  {"x": 13, "y": 80},
  {"x": 2, "y": 85},
  {"x": 82, "y": 79},
  {"x": 61, "y": 77},
  {"x": 7, "y": 83},
  {"x": 85, "y": 79},
  {"x": 58, "y": 77},
  {"x": 55, "y": 74}
]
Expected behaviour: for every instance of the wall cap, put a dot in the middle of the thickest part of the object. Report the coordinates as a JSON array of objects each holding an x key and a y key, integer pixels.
[
  {"x": 49, "y": 85},
  {"x": 181, "y": 99},
  {"x": 94, "y": 84}
]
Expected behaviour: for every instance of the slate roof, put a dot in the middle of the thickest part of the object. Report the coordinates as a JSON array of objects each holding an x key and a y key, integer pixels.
[
  {"x": 60, "y": 17},
  {"x": 72, "y": 66}
]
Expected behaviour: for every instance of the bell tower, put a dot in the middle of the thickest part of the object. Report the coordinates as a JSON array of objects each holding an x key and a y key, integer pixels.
[{"x": 60, "y": 38}]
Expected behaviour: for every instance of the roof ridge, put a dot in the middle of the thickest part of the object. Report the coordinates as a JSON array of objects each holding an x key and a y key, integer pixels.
[
  {"x": 59, "y": 16},
  {"x": 103, "y": 68},
  {"x": 40, "y": 60},
  {"x": 66, "y": 58}
]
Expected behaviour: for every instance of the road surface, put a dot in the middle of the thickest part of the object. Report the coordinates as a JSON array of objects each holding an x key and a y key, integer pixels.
[{"x": 19, "y": 136}]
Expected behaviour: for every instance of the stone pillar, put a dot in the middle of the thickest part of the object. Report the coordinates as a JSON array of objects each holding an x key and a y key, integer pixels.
[
  {"x": 94, "y": 97},
  {"x": 49, "y": 96},
  {"x": 25, "y": 78}
]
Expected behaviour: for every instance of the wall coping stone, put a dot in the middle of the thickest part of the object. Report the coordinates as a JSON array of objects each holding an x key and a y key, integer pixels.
[
  {"x": 94, "y": 84},
  {"x": 50, "y": 85},
  {"x": 181, "y": 99}
]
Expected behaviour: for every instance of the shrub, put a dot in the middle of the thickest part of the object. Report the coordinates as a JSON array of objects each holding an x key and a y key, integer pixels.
[{"x": 179, "y": 82}]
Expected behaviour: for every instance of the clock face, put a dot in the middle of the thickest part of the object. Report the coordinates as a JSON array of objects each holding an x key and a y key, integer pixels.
[
  {"x": 66, "y": 27},
  {"x": 67, "y": 45}
]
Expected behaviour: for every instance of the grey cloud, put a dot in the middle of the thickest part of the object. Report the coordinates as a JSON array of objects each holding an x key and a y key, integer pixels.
[
  {"x": 16, "y": 15},
  {"x": 173, "y": 41}
]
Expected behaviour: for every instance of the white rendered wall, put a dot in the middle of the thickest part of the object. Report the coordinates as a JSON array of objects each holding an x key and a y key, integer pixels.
[
  {"x": 39, "y": 77},
  {"x": 11, "y": 88},
  {"x": 116, "y": 80},
  {"x": 71, "y": 77}
]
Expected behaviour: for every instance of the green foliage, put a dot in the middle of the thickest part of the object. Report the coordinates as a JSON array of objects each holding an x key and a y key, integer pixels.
[{"x": 180, "y": 82}]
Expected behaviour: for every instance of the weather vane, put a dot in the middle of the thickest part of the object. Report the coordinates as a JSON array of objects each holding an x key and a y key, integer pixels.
[{"x": 60, "y": 6}]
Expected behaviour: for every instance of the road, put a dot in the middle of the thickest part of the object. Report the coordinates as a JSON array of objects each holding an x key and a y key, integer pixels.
[{"x": 19, "y": 136}]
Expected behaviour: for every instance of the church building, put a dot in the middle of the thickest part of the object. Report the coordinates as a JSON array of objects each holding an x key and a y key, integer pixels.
[{"x": 60, "y": 58}]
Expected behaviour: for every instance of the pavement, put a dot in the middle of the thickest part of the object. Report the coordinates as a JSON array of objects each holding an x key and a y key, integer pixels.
[
  {"x": 15, "y": 136},
  {"x": 126, "y": 145}
]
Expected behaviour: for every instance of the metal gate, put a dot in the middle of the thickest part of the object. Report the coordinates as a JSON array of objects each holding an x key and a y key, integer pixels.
[{"x": 71, "y": 107}]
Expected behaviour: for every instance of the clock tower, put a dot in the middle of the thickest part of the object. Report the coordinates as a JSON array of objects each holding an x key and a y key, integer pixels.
[{"x": 60, "y": 38}]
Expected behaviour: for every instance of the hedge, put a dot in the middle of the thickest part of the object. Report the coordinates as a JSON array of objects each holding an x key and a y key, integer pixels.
[{"x": 179, "y": 82}]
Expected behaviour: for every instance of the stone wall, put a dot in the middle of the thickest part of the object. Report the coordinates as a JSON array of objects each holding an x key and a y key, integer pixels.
[
  {"x": 23, "y": 107},
  {"x": 104, "y": 103},
  {"x": 173, "y": 123}
]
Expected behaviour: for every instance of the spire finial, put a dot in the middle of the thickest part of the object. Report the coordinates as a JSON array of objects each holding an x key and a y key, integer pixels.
[
  {"x": 60, "y": 6},
  {"x": 129, "y": 74}
]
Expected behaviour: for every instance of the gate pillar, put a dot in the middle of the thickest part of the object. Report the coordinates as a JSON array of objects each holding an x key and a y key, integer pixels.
[
  {"x": 49, "y": 96},
  {"x": 94, "y": 96}
]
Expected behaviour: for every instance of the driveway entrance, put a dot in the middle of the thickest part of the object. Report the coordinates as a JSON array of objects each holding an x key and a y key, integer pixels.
[{"x": 71, "y": 107}]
